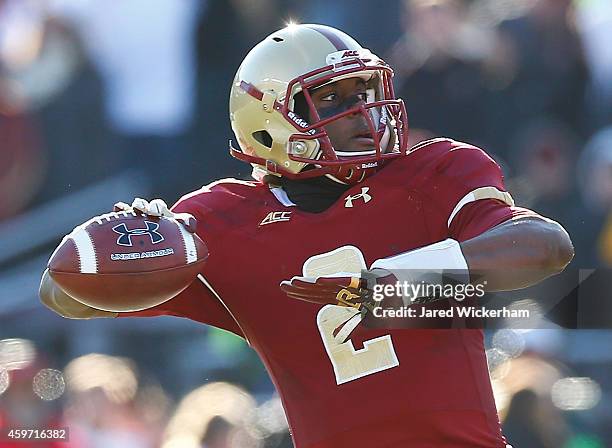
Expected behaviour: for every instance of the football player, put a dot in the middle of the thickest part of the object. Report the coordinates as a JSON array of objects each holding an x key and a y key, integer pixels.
[{"x": 340, "y": 204}]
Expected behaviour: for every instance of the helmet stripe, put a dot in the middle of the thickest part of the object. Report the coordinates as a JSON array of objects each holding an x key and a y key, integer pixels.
[
  {"x": 335, "y": 40},
  {"x": 251, "y": 90}
]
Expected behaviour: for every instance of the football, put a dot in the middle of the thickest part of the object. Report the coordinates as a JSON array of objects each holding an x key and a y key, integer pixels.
[{"x": 126, "y": 261}]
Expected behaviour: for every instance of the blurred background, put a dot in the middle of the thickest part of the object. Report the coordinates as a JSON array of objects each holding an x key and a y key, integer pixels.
[{"x": 103, "y": 101}]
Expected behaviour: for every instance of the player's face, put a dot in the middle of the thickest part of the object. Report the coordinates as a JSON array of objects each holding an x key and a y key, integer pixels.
[{"x": 350, "y": 133}]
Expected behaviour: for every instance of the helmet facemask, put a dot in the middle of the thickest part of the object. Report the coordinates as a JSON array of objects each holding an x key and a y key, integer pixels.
[{"x": 385, "y": 117}]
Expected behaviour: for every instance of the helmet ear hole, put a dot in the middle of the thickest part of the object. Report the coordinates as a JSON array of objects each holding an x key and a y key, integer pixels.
[{"x": 263, "y": 137}]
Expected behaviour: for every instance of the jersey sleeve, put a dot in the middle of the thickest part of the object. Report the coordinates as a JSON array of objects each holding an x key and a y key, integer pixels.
[
  {"x": 465, "y": 175},
  {"x": 197, "y": 303},
  {"x": 479, "y": 216}
]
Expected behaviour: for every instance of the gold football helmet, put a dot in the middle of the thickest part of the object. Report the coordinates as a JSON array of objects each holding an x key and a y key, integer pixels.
[{"x": 276, "y": 123}]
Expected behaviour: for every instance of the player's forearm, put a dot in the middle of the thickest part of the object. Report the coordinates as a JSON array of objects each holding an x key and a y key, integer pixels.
[
  {"x": 61, "y": 303},
  {"x": 518, "y": 253}
]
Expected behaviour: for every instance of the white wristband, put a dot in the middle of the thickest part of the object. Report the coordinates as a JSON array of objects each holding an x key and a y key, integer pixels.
[
  {"x": 435, "y": 264},
  {"x": 438, "y": 257}
]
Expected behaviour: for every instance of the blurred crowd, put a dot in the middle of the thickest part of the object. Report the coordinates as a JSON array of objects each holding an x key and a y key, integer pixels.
[
  {"x": 91, "y": 88},
  {"x": 102, "y": 401}
]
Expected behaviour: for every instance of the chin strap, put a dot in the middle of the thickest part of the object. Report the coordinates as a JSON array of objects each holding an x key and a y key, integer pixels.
[
  {"x": 351, "y": 175},
  {"x": 348, "y": 176}
]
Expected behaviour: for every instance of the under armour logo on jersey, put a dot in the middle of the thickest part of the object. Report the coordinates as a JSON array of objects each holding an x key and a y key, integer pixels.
[
  {"x": 125, "y": 235},
  {"x": 363, "y": 195},
  {"x": 276, "y": 217}
]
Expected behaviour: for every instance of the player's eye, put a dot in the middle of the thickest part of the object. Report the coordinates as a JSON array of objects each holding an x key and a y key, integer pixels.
[{"x": 330, "y": 97}]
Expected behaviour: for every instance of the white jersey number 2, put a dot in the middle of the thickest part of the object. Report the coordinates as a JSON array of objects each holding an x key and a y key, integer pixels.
[{"x": 335, "y": 323}]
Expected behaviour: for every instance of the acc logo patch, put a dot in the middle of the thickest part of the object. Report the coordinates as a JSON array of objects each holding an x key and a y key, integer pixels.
[
  {"x": 275, "y": 217},
  {"x": 338, "y": 57}
]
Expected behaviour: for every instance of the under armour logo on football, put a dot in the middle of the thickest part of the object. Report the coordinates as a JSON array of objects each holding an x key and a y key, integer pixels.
[
  {"x": 125, "y": 235},
  {"x": 363, "y": 195},
  {"x": 276, "y": 217}
]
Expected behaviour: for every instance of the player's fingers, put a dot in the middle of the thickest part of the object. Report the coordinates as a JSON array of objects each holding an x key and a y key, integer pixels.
[
  {"x": 188, "y": 221},
  {"x": 328, "y": 282},
  {"x": 338, "y": 296},
  {"x": 311, "y": 280},
  {"x": 140, "y": 205},
  {"x": 122, "y": 207},
  {"x": 342, "y": 282},
  {"x": 308, "y": 294},
  {"x": 319, "y": 298},
  {"x": 158, "y": 207},
  {"x": 289, "y": 286},
  {"x": 322, "y": 300},
  {"x": 300, "y": 297},
  {"x": 307, "y": 285}
]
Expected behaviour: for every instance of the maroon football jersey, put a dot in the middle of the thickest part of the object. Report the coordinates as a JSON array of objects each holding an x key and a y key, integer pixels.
[{"x": 380, "y": 388}]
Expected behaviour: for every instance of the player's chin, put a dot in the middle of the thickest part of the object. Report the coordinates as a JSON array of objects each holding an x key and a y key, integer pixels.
[{"x": 359, "y": 144}]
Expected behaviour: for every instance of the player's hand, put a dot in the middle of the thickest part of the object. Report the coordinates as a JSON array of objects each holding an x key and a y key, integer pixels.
[
  {"x": 157, "y": 208},
  {"x": 342, "y": 289},
  {"x": 54, "y": 298}
]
